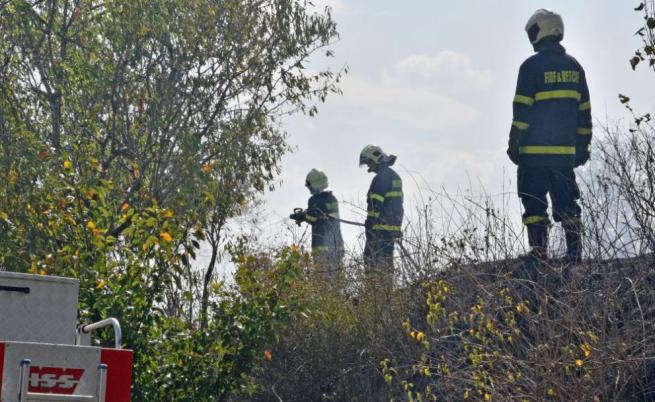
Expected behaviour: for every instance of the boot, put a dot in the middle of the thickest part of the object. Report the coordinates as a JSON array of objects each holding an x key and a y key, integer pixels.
[
  {"x": 538, "y": 240},
  {"x": 573, "y": 234}
]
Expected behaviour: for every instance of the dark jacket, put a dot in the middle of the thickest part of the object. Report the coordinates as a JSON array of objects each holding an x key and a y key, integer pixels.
[
  {"x": 385, "y": 202},
  {"x": 552, "y": 112},
  {"x": 322, "y": 208}
]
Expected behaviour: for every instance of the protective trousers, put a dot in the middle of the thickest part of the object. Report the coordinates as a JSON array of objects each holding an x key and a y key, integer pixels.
[
  {"x": 534, "y": 182},
  {"x": 378, "y": 252}
]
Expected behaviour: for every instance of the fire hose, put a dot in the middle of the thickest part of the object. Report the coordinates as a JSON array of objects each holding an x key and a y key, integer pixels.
[{"x": 297, "y": 213}]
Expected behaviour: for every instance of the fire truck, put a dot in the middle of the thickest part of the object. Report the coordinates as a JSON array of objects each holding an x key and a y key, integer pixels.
[{"x": 43, "y": 355}]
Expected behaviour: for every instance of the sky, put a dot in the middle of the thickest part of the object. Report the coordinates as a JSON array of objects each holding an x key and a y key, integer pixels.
[{"x": 433, "y": 82}]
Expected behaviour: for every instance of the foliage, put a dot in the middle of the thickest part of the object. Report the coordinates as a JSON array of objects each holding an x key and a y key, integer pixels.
[
  {"x": 211, "y": 363},
  {"x": 331, "y": 350},
  {"x": 647, "y": 34},
  {"x": 131, "y": 131}
]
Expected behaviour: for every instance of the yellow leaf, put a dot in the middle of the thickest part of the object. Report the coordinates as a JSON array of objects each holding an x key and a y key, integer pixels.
[
  {"x": 168, "y": 213},
  {"x": 68, "y": 164},
  {"x": 101, "y": 284},
  {"x": 579, "y": 362},
  {"x": 207, "y": 168},
  {"x": 124, "y": 206},
  {"x": 166, "y": 236},
  {"x": 13, "y": 176},
  {"x": 91, "y": 225},
  {"x": 586, "y": 349},
  {"x": 420, "y": 336},
  {"x": 487, "y": 397}
]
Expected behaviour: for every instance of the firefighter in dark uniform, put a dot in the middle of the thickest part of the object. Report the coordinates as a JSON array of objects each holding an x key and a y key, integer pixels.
[
  {"x": 384, "y": 209},
  {"x": 322, "y": 214},
  {"x": 550, "y": 135}
]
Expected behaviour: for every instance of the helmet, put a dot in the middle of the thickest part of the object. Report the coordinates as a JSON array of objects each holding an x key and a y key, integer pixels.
[
  {"x": 544, "y": 23},
  {"x": 371, "y": 153},
  {"x": 316, "y": 181}
]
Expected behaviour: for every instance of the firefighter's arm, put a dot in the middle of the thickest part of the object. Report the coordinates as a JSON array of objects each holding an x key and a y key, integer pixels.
[
  {"x": 375, "y": 202},
  {"x": 313, "y": 212},
  {"x": 583, "y": 137},
  {"x": 522, "y": 107}
]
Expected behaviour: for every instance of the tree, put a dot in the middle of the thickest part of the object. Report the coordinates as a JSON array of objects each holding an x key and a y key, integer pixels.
[{"x": 130, "y": 130}]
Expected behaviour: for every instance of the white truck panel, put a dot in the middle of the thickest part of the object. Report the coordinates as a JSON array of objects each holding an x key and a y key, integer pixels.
[
  {"x": 54, "y": 369},
  {"x": 35, "y": 308}
]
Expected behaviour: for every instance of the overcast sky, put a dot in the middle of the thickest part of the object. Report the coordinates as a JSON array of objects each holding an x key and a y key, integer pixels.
[{"x": 433, "y": 82}]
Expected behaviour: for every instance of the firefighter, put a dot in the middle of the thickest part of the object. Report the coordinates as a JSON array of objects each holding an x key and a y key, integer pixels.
[
  {"x": 384, "y": 209},
  {"x": 550, "y": 135},
  {"x": 322, "y": 214}
]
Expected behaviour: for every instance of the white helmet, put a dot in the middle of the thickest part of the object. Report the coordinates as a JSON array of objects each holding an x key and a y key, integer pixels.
[
  {"x": 316, "y": 181},
  {"x": 544, "y": 23},
  {"x": 372, "y": 153}
]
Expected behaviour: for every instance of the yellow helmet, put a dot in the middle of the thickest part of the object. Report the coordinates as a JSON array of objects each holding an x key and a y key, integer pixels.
[
  {"x": 544, "y": 23},
  {"x": 372, "y": 153},
  {"x": 316, "y": 181}
]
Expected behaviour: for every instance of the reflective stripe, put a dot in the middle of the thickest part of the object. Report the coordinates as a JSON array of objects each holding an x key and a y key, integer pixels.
[
  {"x": 332, "y": 205},
  {"x": 585, "y": 106},
  {"x": 373, "y": 214},
  {"x": 526, "y": 100},
  {"x": 390, "y": 228},
  {"x": 377, "y": 197},
  {"x": 560, "y": 94},
  {"x": 520, "y": 125},
  {"x": 319, "y": 248},
  {"x": 584, "y": 131},
  {"x": 310, "y": 218},
  {"x": 394, "y": 194},
  {"x": 549, "y": 150},
  {"x": 397, "y": 183},
  {"x": 534, "y": 219}
]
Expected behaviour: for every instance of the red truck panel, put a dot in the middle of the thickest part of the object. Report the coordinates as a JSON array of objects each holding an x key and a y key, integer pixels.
[
  {"x": 119, "y": 374},
  {"x": 2, "y": 365}
]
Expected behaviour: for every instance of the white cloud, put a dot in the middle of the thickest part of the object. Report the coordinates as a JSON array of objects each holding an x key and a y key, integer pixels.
[
  {"x": 449, "y": 70},
  {"x": 413, "y": 107}
]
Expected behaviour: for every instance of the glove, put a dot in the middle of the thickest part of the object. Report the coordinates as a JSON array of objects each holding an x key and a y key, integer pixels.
[
  {"x": 582, "y": 155},
  {"x": 513, "y": 153},
  {"x": 513, "y": 147}
]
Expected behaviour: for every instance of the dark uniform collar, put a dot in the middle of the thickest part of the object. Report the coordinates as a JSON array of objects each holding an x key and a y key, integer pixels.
[{"x": 549, "y": 44}]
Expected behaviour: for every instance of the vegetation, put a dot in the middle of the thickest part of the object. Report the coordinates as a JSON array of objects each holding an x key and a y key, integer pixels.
[{"x": 132, "y": 131}]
